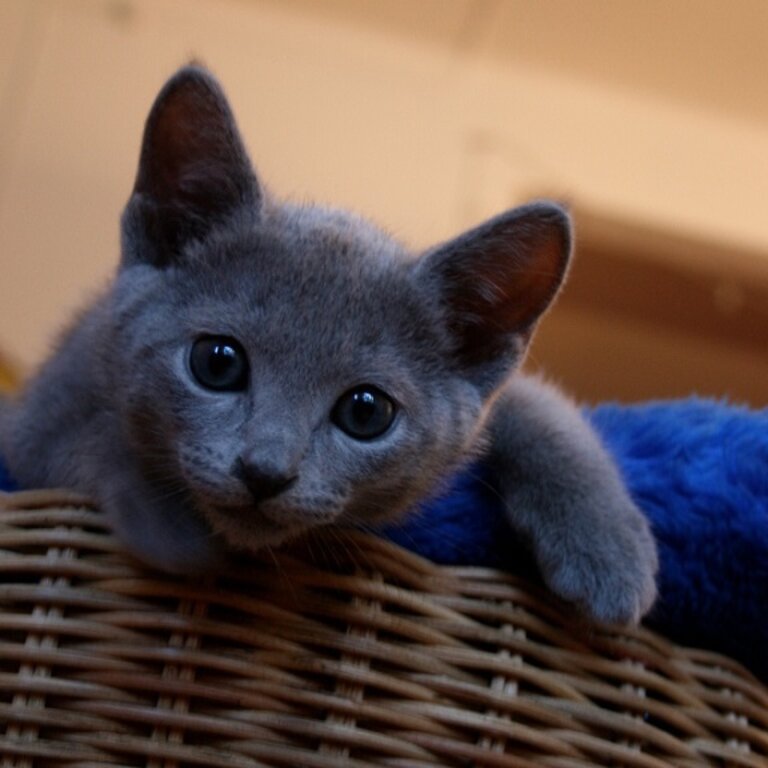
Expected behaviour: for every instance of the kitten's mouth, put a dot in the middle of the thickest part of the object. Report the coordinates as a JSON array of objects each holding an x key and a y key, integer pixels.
[{"x": 251, "y": 528}]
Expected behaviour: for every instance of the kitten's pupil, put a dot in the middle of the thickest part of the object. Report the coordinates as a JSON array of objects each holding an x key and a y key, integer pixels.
[
  {"x": 219, "y": 363},
  {"x": 364, "y": 412}
]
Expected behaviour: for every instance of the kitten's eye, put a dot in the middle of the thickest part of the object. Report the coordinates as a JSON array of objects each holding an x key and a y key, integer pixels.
[
  {"x": 219, "y": 363},
  {"x": 364, "y": 412}
]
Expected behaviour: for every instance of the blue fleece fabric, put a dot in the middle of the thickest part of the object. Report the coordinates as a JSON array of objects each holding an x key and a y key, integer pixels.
[
  {"x": 699, "y": 470},
  {"x": 6, "y": 484}
]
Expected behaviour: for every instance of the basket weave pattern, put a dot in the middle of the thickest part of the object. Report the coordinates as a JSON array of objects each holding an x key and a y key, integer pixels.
[{"x": 333, "y": 656}]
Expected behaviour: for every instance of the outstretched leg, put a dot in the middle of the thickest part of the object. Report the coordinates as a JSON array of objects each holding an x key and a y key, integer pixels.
[{"x": 564, "y": 494}]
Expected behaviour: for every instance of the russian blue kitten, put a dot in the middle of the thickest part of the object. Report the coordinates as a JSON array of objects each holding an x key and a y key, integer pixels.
[{"x": 259, "y": 368}]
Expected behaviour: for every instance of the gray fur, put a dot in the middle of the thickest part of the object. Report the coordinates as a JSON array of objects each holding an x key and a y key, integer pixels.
[{"x": 321, "y": 301}]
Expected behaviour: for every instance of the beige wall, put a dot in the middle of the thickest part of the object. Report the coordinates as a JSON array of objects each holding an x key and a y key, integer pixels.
[{"x": 425, "y": 114}]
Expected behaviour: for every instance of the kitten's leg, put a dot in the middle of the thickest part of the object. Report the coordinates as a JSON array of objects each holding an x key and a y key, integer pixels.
[{"x": 564, "y": 494}]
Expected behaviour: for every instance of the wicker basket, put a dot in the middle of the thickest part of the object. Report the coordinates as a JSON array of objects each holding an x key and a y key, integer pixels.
[{"x": 349, "y": 656}]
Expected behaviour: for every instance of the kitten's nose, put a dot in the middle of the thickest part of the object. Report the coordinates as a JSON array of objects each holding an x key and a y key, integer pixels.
[{"x": 263, "y": 481}]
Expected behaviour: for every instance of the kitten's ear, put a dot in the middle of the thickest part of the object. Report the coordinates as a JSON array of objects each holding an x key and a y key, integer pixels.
[
  {"x": 495, "y": 281},
  {"x": 193, "y": 170}
]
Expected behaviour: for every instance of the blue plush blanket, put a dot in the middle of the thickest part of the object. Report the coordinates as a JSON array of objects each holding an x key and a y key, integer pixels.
[{"x": 699, "y": 470}]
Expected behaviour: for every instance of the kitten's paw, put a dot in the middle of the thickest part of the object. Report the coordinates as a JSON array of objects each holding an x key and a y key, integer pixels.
[{"x": 606, "y": 566}]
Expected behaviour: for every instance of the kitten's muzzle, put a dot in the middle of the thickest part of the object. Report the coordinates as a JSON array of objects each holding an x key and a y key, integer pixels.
[{"x": 263, "y": 482}]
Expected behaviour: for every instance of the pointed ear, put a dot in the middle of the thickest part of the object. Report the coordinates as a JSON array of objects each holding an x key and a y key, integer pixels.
[
  {"x": 494, "y": 282},
  {"x": 193, "y": 170}
]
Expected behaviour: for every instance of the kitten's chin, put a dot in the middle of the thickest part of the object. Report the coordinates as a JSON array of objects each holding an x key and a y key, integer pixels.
[
  {"x": 185, "y": 545},
  {"x": 250, "y": 529}
]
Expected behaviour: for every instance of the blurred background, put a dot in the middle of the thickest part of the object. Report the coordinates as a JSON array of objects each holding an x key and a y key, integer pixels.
[{"x": 650, "y": 119}]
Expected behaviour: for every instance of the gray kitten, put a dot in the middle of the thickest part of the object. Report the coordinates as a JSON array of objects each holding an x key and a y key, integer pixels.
[{"x": 259, "y": 368}]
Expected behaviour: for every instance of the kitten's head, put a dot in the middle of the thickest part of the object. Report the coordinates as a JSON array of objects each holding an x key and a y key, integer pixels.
[{"x": 283, "y": 367}]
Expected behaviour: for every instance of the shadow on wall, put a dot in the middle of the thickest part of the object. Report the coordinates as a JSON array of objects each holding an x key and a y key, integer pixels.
[
  {"x": 9, "y": 377},
  {"x": 653, "y": 314}
]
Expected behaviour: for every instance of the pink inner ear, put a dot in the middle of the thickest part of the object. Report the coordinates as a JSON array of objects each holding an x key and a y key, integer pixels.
[
  {"x": 190, "y": 133},
  {"x": 172, "y": 144},
  {"x": 499, "y": 280},
  {"x": 193, "y": 170},
  {"x": 525, "y": 283}
]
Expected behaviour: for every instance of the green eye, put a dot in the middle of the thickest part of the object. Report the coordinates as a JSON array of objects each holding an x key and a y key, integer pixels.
[
  {"x": 364, "y": 412},
  {"x": 219, "y": 363}
]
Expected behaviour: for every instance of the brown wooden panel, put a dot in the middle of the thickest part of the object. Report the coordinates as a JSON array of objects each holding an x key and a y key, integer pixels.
[
  {"x": 670, "y": 282},
  {"x": 648, "y": 314}
]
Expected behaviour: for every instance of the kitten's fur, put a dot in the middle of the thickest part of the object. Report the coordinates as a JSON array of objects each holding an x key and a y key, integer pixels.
[{"x": 321, "y": 301}]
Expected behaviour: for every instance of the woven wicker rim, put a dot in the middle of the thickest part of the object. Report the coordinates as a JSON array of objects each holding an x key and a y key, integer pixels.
[{"x": 356, "y": 654}]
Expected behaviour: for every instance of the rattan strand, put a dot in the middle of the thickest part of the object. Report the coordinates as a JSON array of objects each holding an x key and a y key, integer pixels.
[{"x": 350, "y": 652}]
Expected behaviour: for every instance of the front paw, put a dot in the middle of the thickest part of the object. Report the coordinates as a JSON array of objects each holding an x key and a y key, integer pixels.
[{"x": 605, "y": 563}]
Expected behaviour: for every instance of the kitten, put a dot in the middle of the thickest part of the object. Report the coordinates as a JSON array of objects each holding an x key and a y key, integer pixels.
[{"x": 259, "y": 368}]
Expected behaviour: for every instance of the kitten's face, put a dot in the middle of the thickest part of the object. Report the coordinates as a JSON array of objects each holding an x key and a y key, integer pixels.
[
  {"x": 277, "y": 367},
  {"x": 288, "y": 375}
]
